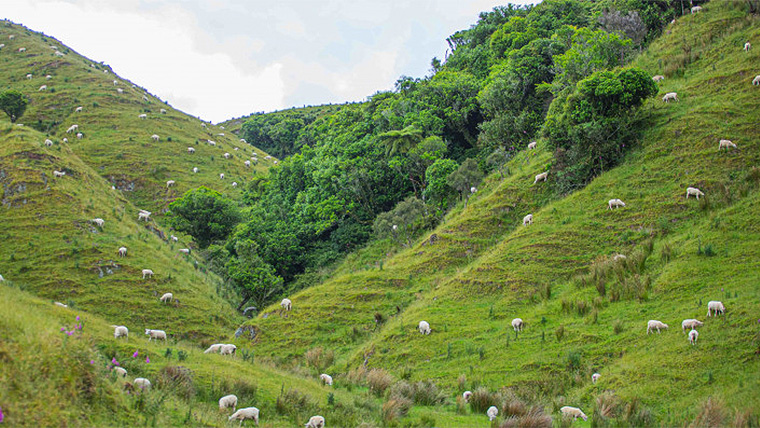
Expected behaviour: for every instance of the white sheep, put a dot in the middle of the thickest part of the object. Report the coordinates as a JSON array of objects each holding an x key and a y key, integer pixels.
[
  {"x": 147, "y": 272},
  {"x": 670, "y": 96},
  {"x": 212, "y": 143},
  {"x": 747, "y": 46},
  {"x": 574, "y": 412},
  {"x": 59, "y": 173},
  {"x": 58, "y": 53},
  {"x": 119, "y": 90},
  {"x": 286, "y": 304},
  {"x": 228, "y": 401},
  {"x": 195, "y": 169},
  {"x": 473, "y": 189},
  {"x": 247, "y": 163},
  {"x": 726, "y": 143},
  {"x": 63, "y": 305},
  {"x": 466, "y": 396},
  {"x": 78, "y": 109},
  {"x": 492, "y": 412},
  {"x": 316, "y": 422},
  {"x": 541, "y": 177},
  {"x": 143, "y": 116},
  {"x": 155, "y": 334},
  {"x": 221, "y": 176},
  {"x": 170, "y": 183},
  {"x": 326, "y": 379},
  {"x": 48, "y": 77},
  {"x": 72, "y": 128},
  {"x": 528, "y": 219},
  {"x": 615, "y": 203},
  {"x": 696, "y": 9},
  {"x": 22, "y": 49},
  {"x": 213, "y": 348},
  {"x": 619, "y": 257},
  {"x": 80, "y": 135},
  {"x": 120, "y": 371},
  {"x": 715, "y": 306},
  {"x": 595, "y": 377},
  {"x": 48, "y": 142},
  {"x": 120, "y": 331},
  {"x": 29, "y": 76},
  {"x": 693, "y": 335},
  {"x": 237, "y": 148},
  {"x": 693, "y": 191},
  {"x": 756, "y": 80},
  {"x": 143, "y": 215},
  {"x": 163, "y": 111},
  {"x": 234, "y": 184},
  {"x": 517, "y": 324},
  {"x": 167, "y": 297},
  {"x": 122, "y": 251},
  {"x": 155, "y": 137},
  {"x": 226, "y": 155},
  {"x": 115, "y": 82},
  {"x": 242, "y": 140},
  {"x": 142, "y": 383},
  {"x": 424, "y": 327},
  {"x": 690, "y": 323},
  {"x": 184, "y": 250},
  {"x": 191, "y": 150},
  {"x": 655, "y": 325},
  {"x": 65, "y": 140},
  {"x": 267, "y": 157},
  {"x": 532, "y": 145},
  {"x": 658, "y": 78},
  {"x": 145, "y": 98},
  {"x": 174, "y": 238},
  {"x": 98, "y": 221},
  {"x": 228, "y": 349},
  {"x": 42, "y": 88}
]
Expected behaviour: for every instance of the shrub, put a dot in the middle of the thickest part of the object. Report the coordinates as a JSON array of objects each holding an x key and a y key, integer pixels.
[
  {"x": 534, "y": 418},
  {"x": 618, "y": 326},
  {"x": 379, "y": 381},
  {"x": 560, "y": 332},
  {"x": 177, "y": 379},
  {"x": 426, "y": 393},
  {"x": 319, "y": 358},
  {"x": 395, "y": 408},
  {"x": 482, "y": 399},
  {"x": 712, "y": 413}
]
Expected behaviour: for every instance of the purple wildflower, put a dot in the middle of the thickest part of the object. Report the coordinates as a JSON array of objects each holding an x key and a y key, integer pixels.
[
  {"x": 92, "y": 361},
  {"x": 134, "y": 355},
  {"x": 147, "y": 359},
  {"x": 63, "y": 328},
  {"x": 77, "y": 317},
  {"x": 70, "y": 332},
  {"x": 2, "y": 416},
  {"x": 114, "y": 362}
]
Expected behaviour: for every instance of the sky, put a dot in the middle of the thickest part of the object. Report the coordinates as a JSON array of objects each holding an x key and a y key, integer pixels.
[{"x": 221, "y": 59}]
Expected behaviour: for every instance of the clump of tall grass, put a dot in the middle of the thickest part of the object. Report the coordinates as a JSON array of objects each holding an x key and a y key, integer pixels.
[{"x": 379, "y": 381}]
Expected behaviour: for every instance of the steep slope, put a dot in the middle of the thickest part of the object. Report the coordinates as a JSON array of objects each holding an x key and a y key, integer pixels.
[{"x": 584, "y": 313}]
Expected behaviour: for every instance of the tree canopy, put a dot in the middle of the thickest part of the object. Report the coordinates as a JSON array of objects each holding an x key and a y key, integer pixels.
[{"x": 13, "y": 103}]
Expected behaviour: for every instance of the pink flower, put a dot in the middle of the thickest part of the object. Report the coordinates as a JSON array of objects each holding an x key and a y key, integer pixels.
[
  {"x": 134, "y": 355},
  {"x": 2, "y": 416},
  {"x": 147, "y": 359},
  {"x": 63, "y": 328},
  {"x": 70, "y": 332},
  {"x": 77, "y": 317},
  {"x": 114, "y": 362},
  {"x": 92, "y": 361}
]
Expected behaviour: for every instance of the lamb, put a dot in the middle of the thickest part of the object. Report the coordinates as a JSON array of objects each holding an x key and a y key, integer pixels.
[
  {"x": 143, "y": 215},
  {"x": 466, "y": 396},
  {"x": 120, "y": 331},
  {"x": 326, "y": 379},
  {"x": 228, "y": 349},
  {"x": 155, "y": 137},
  {"x": 167, "y": 297},
  {"x": 42, "y": 88},
  {"x": 190, "y": 150},
  {"x": 195, "y": 169},
  {"x": 424, "y": 327},
  {"x": 142, "y": 383},
  {"x": 29, "y": 76},
  {"x": 747, "y": 46},
  {"x": 228, "y": 401},
  {"x": 690, "y": 323},
  {"x": 122, "y": 251},
  {"x": 492, "y": 412},
  {"x": 226, "y": 155},
  {"x": 316, "y": 422},
  {"x": 143, "y": 116},
  {"x": 80, "y": 135},
  {"x": 48, "y": 77},
  {"x": 615, "y": 203},
  {"x": 174, "y": 238},
  {"x": 574, "y": 412},
  {"x": 55, "y": 303},
  {"x": 726, "y": 143},
  {"x": 59, "y": 173},
  {"x": 184, "y": 250},
  {"x": 48, "y": 142},
  {"x": 756, "y": 80},
  {"x": 213, "y": 348},
  {"x": 528, "y": 219},
  {"x": 147, "y": 272},
  {"x": 670, "y": 96},
  {"x": 693, "y": 335},
  {"x": 72, "y": 128},
  {"x": 221, "y": 176},
  {"x": 715, "y": 306},
  {"x": 115, "y": 82},
  {"x": 98, "y": 221},
  {"x": 78, "y": 109},
  {"x": 247, "y": 163},
  {"x": 517, "y": 324},
  {"x": 693, "y": 191},
  {"x": 658, "y": 78},
  {"x": 696, "y": 9},
  {"x": 65, "y": 140},
  {"x": 163, "y": 111},
  {"x": 473, "y": 189},
  {"x": 155, "y": 334},
  {"x": 234, "y": 184},
  {"x": 532, "y": 145},
  {"x": 286, "y": 304},
  {"x": 169, "y": 183},
  {"x": 541, "y": 177},
  {"x": 120, "y": 371},
  {"x": 654, "y": 324},
  {"x": 595, "y": 377}
]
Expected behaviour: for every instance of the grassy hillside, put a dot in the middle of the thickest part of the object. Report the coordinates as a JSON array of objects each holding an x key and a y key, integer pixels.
[{"x": 584, "y": 313}]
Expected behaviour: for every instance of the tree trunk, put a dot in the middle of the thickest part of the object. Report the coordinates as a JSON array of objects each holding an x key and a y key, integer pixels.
[{"x": 245, "y": 300}]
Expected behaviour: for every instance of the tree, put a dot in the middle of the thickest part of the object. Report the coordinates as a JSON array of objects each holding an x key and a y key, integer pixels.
[
  {"x": 403, "y": 222},
  {"x": 438, "y": 192},
  {"x": 465, "y": 177},
  {"x": 13, "y": 103},
  {"x": 498, "y": 159},
  {"x": 205, "y": 214},
  {"x": 400, "y": 141},
  {"x": 253, "y": 278}
]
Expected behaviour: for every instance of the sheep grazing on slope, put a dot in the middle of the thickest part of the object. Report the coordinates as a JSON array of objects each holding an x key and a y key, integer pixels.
[
  {"x": 316, "y": 422},
  {"x": 167, "y": 297},
  {"x": 213, "y": 348},
  {"x": 59, "y": 173},
  {"x": 670, "y": 96},
  {"x": 120, "y": 331},
  {"x": 142, "y": 383},
  {"x": 532, "y": 145},
  {"x": 693, "y": 191},
  {"x": 696, "y": 9},
  {"x": 98, "y": 221},
  {"x": 184, "y": 250},
  {"x": 756, "y": 80},
  {"x": 122, "y": 251},
  {"x": 78, "y": 109},
  {"x": 42, "y": 88},
  {"x": 120, "y": 371},
  {"x": 466, "y": 396},
  {"x": 195, "y": 170},
  {"x": 221, "y": 176},
  {"x": 226, "y": 155},
  {"x": 148, "y": 273},
  {"x": 80, "y": 135},
  {"x": 655, "y": 325},
  {"x": 72, "y": 128},
  {"x": 424, "y": 327},
  {"x": 228, "y": 401},
  {"x": 155, "y": 137},
  {"x": 614, "y": 203},
  {"x": 48, "y": 142},
  {"x": 747, "y": 47},
  {"x": 713, "y": 307},
  {"x": 326, "y": 379},
  {"x": 528, "y": 219},
  {"x": 595, "y": 377},
  {"x": 155, "y": 334},
  {"x": 228, "y": 349},
  {"x": 247, "y": 163},
  {"x": 541, "y": 177},
  {"x": 190, "y": 150},
  {"x": 690, "y": 323},
  {"x": 119, "y": 90},
  {"x": 163, "y": 111},
  {"x": 143, "y": 215},
  {"x": 492, "y": 412},
  {"x": 574, "y": 412},
  {"x": 170, "y": 183},
  {"x": 658, "y": 78},
  {"x": 55, "y": 303},
  {"x": 234, "y": 184},
  {"x": 143, "y": 116},
  {"x": 726, "y": 143},
  {"x": 693, "y": 335},
  {"x": 517, "y": 324},
  {"x": 286, "y": 304}
]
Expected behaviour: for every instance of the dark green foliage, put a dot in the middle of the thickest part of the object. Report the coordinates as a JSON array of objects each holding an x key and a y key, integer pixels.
[
  {"x": 403, "y": 222},
  {"x": 253, "y": 278},
  {"x": 205, "y": 214},
  {"x": 13, "y": 103},
  {"x": 465, "y": 177},
  {"x": 439, "y": 192}
]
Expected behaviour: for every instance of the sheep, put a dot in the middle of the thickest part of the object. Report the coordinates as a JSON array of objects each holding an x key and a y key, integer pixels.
[
  {"x": 147, "y": 272},
  {"x": 424, "y": 327},
  {"x": 228, "y": 349},
  {"x": 72, "y": 128},
  {"x": 694, "y": 191},
  {"x": 715, "y": 306},
  {"x": 167, "y": 297},
  {"x": 316, "y": 422},
  {"x": 226, "y": 155},
  {"x": 80, "y": 135},
  {"x": 670, "y": 96},
  {"x": 532, "y": 145},
  {"x": 615, "y": 203},
  {"x": 286, "y": 304},
  {"x": 242, "y": 140},
  {"x": 11, "y": 37},
  {"x": 726, "y": 143},
  {"x": 690, "y": 323},
  {"x": 22, "y": 49},
  {"x": 619, "y": 257},
  {"x": 693, "y": 335},
  {"x": 122, "y": 251},
  {"x": 142, "y": 383},
  {"x": 143, "y": 215},
  {"x": 247, "y": 163},
  {"x": 756, "y": 80},
  {"x": 163, "y": 111},
  {"x": 2, "y": 45},
  {"x": 595, "y": 377},
  {"x": 221, "y": 176},
  {"x": 212, "y": 143},
  {"x": 58, "y": 53},
  {"x": 747, "y": 46},
  {"x": 276, "y": 162},
  {"x": 191, "y": 150},
  {"x": 234, "y": 184},
  {"x": 174, "y": 238},
  {"x": 466, "y": 396},
  {"x": 574, "y": 412},
  {"x": 267, "y": 157},
  {"x": 155, "y": 334},
  {"x": 654, "y": 324},
  {"x": 473, "y": 189},
  {"x": 326, "y": 379},
  {"x": 169, "y": 183},
  {"x": 29, "y": 76},
  {"x": 155, "y": 137},
  {"x": 517, "y": 324},
  {"x": 119, "y": 90},
  {"x": 195, "y": 170},
  {"x": 145, "y": 98},
  {"x": 492, "y": 412},
  {"x": 696, "y": 9},
  {"x": 98, "y": 221},
  {"x": 213, "y": 348},
  {"x": 78, "y": 109},
  {"x": 115, "y": 82},
  {"x": 184, "y": 250},
  {"x": 528, "y": 219},
  {"x": 59, "y": 173},
  {"x": 120, "y": 331},
  {"x": 55, "y": 303},
  {"x": 658, "y": 78},
  {"x": 541, "y": 177},
  {"x": 143, "y": 116},
  {"x": 228, "y": 401},
  {"x": 120, "y": 371},
  {"x": 48, "y": 77},
  {"x": 42, "y": 88}
]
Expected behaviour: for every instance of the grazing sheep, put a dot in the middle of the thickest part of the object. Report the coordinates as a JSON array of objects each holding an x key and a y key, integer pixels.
[
  {"x": 212, "y": 143},
  {"x": 11, "y": 37},
  {"x": 48, "y": 77},
  {"x": 658, "y": 78},
  {"x": 237, "y": 148},
  {"x": 715, "y": 306},
  {"x": 693, "y": 335},
  {"x": 316, "y": 422},
  {"x": 155, "y": 137},
  {"x": 424, "y": 327},
  {"x": 120, "y": 331},
  {"x": 221, "y": 176},
  {"x": 59, "y": 173},
  {"x": 574, "y": 412},
  {"x": 22, "y": 49},
  {"x": 286, "y": 304},
  {"x": 80, "y": 135},
  {"x": 72, "y": 128},
  {"x": 492, "y": 412},
  {"x": 756, "y": 80},
  {"x": 98, "y": 221},
  {"x": 228, "y": 401},
  {"x": 65, "y": 140},
  {"x": 29, "y": 76},
  {"x": 532, "y": 145},
  {"x": 234, "y": 184},
  {"x": 517, "y": 324},
  {"x": 541, "y": 177},
  {"x": 242, "y": 140},
  {"x": 747, "y": 46},
  {"x": 670, "y": 96},
  {"x": 145, "y": 98},
  {"x": 615, "y": 203},
  {"x": 726, "y": 143},
  {"x": 58, "y": 53},
  {"x": 690, "y": 323},
  {"x": 528, "y": 219},
  {"x": 213, "y": 348},
  {"x": 78, "y": 109},
  {"x": 163, "y": 111},
  {"x": 228, "y": 349},
  {"x": 122, "y": 251},
  {"x": 267, "y": 157},
  {"x": 143, "y": 215},
  {"x": 155, "y": 334},
  {"x": 143, "y": 116},
  {"x": 654, "y": 324},
  {"x": 147, "y": 272},
  {"x": 119, "y": 90},
  {"x": 693, "y": 191},
  {"x": 696, "y": 9},
  {"x": 473, "y": 189},
  {"x": 167, "y": 297},
  {"x": 174, "y": 238},
  {"x": 195, "y": 170},
  {"x": 226, "y": 155},
  {"x": 115, "y": 82},
  {"x": 42, "y": 88},
  {"x": 184, "y": 250},
  {"x": 55, "y": 303},
  {"x": 48, "y": 142},
  {"x": 142, "y": 383},
  {"x": 190, "y": 150},
  {"x": 169, "y": 183},
  {"x": 466, "y": 396},
  {"x": 595, "y": 377},
  {"x": 326, "y": 379},
  {"x": 120, "y": 371},
  {"x": 247, "y": 163}
]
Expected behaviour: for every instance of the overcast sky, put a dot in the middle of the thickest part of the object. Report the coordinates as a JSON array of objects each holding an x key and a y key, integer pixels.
[{"x": 219, "y": 59}]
